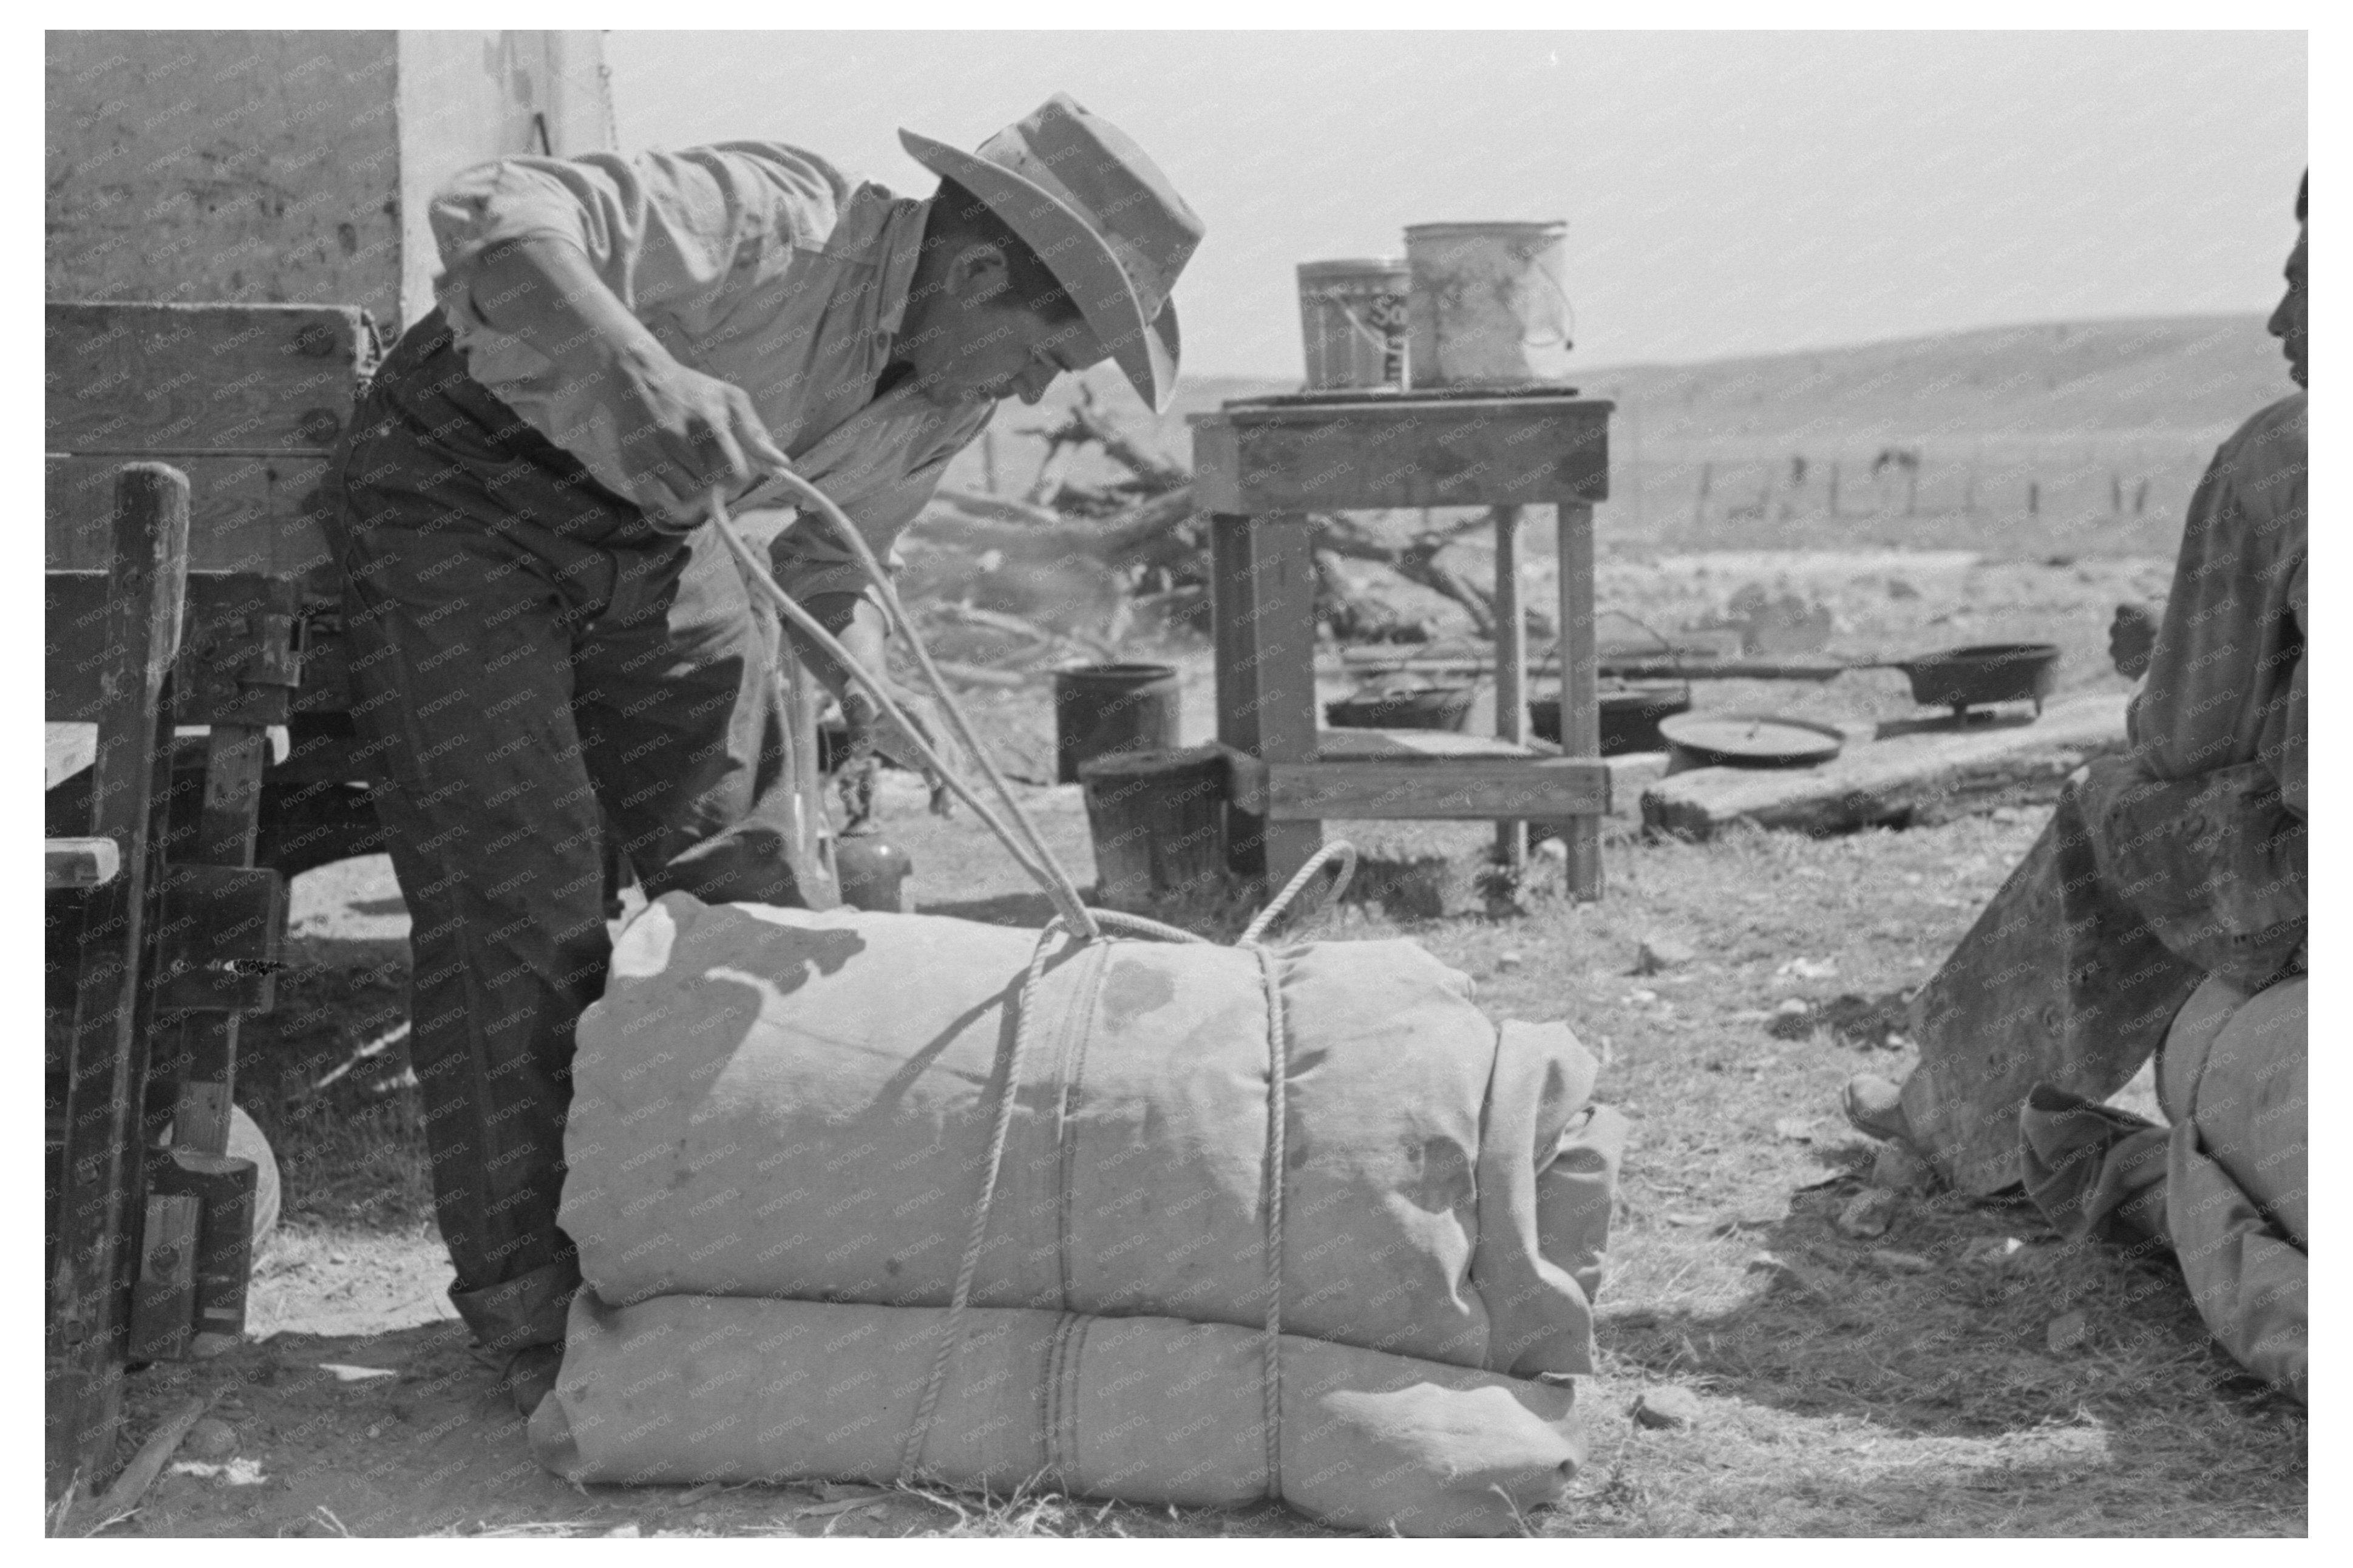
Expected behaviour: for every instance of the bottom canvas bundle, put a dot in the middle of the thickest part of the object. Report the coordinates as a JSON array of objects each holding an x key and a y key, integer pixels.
[{"x": 1152, "y": 1410}]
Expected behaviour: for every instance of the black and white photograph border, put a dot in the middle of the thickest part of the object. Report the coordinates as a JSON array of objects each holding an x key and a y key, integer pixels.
[{"x": 734, "y": 849}]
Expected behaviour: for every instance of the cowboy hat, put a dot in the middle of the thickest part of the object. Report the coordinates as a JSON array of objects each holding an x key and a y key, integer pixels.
[{"x": 1102, "y": 217}]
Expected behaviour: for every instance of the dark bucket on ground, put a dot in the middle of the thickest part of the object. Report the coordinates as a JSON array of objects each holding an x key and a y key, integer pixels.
[{"x": 1099, "y": 708}]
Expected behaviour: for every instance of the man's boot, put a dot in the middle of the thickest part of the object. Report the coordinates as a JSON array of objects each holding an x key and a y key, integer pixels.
[{"x": 530, "y": 1376}]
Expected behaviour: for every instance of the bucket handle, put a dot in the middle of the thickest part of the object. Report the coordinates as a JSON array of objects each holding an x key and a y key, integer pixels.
[{"x": 1565, "y": 338}]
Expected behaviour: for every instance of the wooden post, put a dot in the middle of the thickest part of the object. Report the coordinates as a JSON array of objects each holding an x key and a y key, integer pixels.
[
  {"x": 101, "y": 1170},
  {"x": 1834, "y": 484},
  {"x": 1580, "y": 700},
  {"x": 1510, "y": 667},
  {"x": 1262, "y": 608}
]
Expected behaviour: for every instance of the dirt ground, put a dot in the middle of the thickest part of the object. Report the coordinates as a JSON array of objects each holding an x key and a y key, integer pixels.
[{"x": 1840, "y": 1393}]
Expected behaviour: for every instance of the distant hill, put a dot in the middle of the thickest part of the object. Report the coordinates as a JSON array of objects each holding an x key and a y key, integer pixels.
[
  {"x": 2158, "y": 378},
  {"x": 2062, "y": 436}
]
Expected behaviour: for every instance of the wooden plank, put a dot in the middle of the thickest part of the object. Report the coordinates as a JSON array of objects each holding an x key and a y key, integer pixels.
[
  {"x": 1580, "y": 700},
  {"x": 106, "y": 1086},
  {"x": 1438, "y": 789},
  {"x": 235, "y": 755},
  {"x": 163, "y": 1303},
  {"x": 219, "y": 935},
  {"x": 1509, "y": 451},
  {"x": 247, "y": 513},
  {"x": 130, "y": 378},
  {"x": 81, "y": 862},
  {"x": 1262, "y": 601},
  {"x": 1403, "y": 746},
  {"x": 1510, "y": 667},
  {"x": 1917, "y": 775},
  {"x": 235, "y": 664}
]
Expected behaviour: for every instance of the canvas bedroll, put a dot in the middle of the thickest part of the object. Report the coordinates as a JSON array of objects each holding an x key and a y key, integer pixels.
[
  {"x": 778, "y": 1103},
  {"x": 683, "y": 1389}
]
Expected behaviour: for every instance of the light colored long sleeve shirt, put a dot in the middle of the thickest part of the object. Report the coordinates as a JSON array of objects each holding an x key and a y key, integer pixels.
[{"x": 755, "y": 262}]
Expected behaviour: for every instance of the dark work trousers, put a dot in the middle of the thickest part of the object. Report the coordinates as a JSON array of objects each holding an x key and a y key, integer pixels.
[{"x": 530, "y": 662}]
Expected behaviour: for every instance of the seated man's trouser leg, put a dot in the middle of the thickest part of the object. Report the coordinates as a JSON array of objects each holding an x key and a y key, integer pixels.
[
  {"x": 2058, "y": 983},
  {"x": 516, "y": 684}
]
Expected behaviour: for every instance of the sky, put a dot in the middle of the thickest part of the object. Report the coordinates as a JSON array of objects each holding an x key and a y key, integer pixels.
[{"x": 1725, "y": 193}]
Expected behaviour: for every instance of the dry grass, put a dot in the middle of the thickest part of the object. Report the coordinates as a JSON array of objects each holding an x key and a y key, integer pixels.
[
  {"x": 1838, "y": 1397},
  {"x": 1841, "y": 1397}
]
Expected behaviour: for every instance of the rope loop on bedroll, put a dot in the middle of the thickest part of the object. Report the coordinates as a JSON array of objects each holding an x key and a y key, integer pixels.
[{"x": 1340, "y": 852}]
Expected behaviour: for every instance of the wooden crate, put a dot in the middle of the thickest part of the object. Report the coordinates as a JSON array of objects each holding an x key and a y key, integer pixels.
[{"x": 246, "y": 400}]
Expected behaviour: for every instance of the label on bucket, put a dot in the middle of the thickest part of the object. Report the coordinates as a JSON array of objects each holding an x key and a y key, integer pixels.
[{"x": 1353, "y": 322}]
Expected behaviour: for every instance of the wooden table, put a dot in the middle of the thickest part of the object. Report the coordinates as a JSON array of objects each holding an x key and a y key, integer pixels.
[{"x": 1261, "y": 467}]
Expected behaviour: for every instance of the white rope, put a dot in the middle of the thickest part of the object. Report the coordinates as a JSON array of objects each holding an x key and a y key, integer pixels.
[
  {"x": 1065, "y": 893},
  {"x": 1049, "y": 876},
  {"x": 1278, "y": 1116},
  {"x": 1339, "y": 850}
]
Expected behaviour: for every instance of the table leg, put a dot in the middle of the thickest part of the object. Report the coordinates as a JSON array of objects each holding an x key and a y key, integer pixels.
[
  {"x": 1262, "y": 603},
  {"x": 1510, "y": 667},
  {"x": 1580, "y": 701}
]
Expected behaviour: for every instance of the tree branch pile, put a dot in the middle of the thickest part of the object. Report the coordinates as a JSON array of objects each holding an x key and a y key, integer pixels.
[{"x": 1012, "y": 585}]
